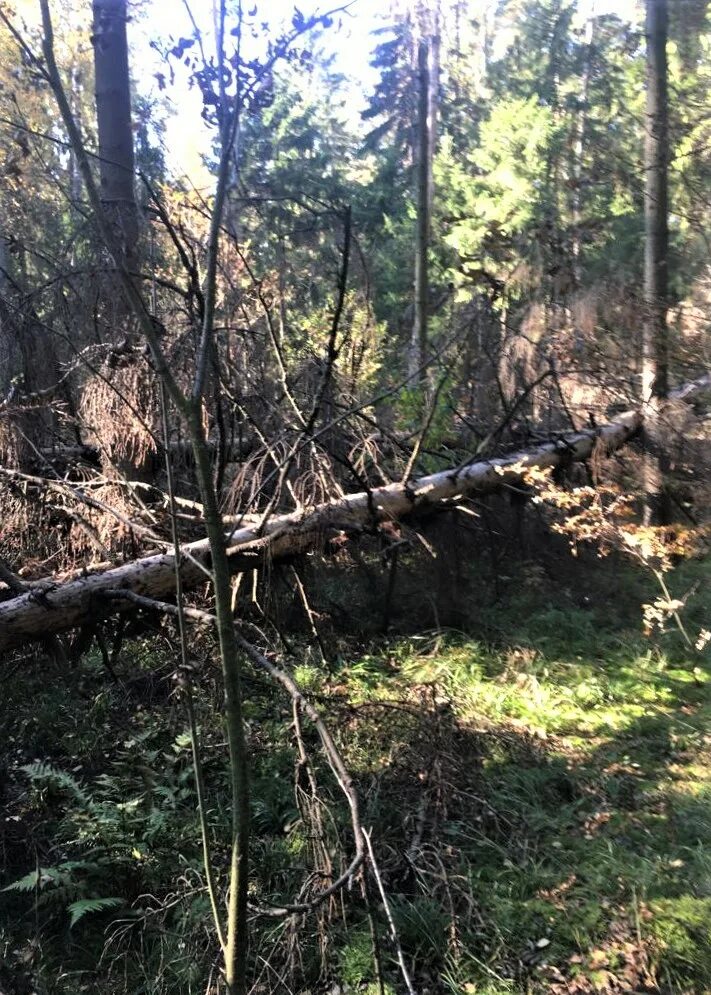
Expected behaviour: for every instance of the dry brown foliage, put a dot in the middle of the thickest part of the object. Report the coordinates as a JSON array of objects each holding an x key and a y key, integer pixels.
[{"x": 121, "y": 410}]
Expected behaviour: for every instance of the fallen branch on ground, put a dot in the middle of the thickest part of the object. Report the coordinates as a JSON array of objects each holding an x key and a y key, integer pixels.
[{"x": 52, "y": 608}]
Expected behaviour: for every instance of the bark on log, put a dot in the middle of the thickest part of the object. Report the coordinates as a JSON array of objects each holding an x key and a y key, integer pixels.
[{"x": 54, "y": 608}]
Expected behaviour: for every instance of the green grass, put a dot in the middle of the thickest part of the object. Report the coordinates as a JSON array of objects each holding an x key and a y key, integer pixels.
[
  {"x": 539, "y": 796},
  {"x": 568, "y": 834}
]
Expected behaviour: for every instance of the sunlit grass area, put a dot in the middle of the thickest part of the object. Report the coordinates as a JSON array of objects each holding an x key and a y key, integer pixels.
[
  {"x": 538, "y": 794},
  {"x": 568, "y": 845}
]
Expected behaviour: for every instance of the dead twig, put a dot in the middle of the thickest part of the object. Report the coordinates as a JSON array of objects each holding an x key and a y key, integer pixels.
[{"x": 388, "y": 913}]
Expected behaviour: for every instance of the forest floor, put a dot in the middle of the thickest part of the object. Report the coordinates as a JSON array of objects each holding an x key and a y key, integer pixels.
[
  {"x": 564, "y": 836},
  {"x": 539, "y": 798}
]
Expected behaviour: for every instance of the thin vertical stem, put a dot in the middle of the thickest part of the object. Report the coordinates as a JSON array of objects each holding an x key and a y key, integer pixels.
[{"x": 418, "y": 347}]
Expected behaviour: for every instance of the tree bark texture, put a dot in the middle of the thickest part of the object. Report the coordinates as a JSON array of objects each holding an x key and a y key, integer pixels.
[
  {"x": 655, "y": 346},
  {"x": 113, "y": 114}
]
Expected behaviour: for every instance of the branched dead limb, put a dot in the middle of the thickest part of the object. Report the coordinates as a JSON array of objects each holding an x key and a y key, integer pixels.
[
  {"x": 338, "y": 768},
  {"x": 426, "y": 425},
  {"x": 65, "y": 488},
  {"x": 332, "y": 349},
  {"x": 310, "y": 805},
  {"x": 333, "y": 755},
  {"x": 273, "y": 336},
  {"x": 28, "y": 398},
  {"x": 306, "y": 437}
]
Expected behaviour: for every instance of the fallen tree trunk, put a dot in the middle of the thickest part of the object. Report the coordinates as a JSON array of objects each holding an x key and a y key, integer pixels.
[{"x": 52, "y": 608}]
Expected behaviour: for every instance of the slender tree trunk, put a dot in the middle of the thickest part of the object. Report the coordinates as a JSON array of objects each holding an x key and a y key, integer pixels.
[
  {"x": 418, "y": 346},
  {"x": 235, "y": 952},
  {"x": 435, "y": 46},
  {"x": 655, "y": 386},
  {"x": 113, "y": 113},
  {"x": 580, "y": 142}
]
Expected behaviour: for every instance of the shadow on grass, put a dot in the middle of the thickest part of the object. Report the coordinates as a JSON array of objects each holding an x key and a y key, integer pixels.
[{"x": 553, "y": 813}]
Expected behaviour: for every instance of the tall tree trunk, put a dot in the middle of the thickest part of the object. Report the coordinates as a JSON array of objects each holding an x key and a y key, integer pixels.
[
  {"x": 113, "y": 112},
  {"x": 418, "y": 345},
  {"x": 581, "y": 125},
  {"x": 128, "y": 450},
  {"x": 75, "y": 186},
  {"x": 28, "y": 362},
  {"x": 435, "y": 47},
  {"x": 7, "y": 338},
  {"x": 655, "y": 345}
]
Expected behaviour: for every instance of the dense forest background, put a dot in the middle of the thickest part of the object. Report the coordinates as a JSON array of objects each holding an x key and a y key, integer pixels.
[{"x": 354, "y": 485}]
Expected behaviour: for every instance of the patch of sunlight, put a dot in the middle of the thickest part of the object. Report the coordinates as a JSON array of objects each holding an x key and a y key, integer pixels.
[{"x": 553, "y": 696}]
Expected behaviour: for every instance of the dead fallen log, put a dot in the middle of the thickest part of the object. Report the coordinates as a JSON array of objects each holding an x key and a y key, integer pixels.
[{"x": 52, "y": 608}]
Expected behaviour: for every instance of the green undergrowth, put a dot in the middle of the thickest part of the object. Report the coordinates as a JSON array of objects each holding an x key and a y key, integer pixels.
[
  {"x": 565, "y": 772},
  {"x": 538, "y": 794}
]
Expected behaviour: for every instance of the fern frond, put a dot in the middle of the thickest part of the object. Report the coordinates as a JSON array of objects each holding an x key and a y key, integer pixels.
[
  {"x": 86, "y": 906},
  {"x": 42, "y": 772},
  {"x": 60, "y": 874},
  {"x": 28, "y": 883}
]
